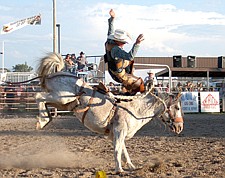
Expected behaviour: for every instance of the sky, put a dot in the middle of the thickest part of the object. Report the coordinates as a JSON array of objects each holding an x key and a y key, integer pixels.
[{"x": 170, "y": 27}]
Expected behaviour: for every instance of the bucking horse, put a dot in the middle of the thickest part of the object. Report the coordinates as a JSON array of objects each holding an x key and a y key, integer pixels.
[{"x": 116, "y": 116}]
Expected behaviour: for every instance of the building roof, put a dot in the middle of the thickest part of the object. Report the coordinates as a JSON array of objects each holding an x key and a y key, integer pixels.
[
  {"x": 204, "y": 66},
  {"x": 193, "y": 72}
]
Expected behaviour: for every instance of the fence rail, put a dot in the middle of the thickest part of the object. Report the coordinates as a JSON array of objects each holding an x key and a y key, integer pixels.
[
  {"x": 21, "y": 100},
  {"x": 18, "y": 99}
]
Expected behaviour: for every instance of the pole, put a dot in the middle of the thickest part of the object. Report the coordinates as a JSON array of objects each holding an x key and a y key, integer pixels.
[
  {"x": 58, "y": 26},
  {"x": 54, "y": 26},
  {"x": 3, "y": 59},
  {"x": 208, "y": 80}
]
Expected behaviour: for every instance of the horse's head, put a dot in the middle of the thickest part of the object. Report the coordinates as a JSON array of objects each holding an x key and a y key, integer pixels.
[{"x": 173, "y": 116}]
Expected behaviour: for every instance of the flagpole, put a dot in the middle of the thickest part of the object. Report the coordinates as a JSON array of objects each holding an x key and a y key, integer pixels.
[{"x": 54, "y": 26}]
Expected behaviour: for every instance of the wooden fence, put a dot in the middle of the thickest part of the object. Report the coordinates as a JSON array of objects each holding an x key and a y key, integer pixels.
[{"x": 20, "y": 99}]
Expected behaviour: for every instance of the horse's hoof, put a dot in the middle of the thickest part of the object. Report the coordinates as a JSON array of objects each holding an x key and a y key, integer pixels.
[
  {"x": 122, "y": 173},
  {"x": 38, "y": 126}
]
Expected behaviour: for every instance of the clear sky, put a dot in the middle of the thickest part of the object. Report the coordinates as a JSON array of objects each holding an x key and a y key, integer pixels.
[{"x": 171, "y": 27}]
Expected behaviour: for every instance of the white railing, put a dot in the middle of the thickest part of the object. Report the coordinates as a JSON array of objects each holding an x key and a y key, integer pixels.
[{"x": 159, "y": 65}]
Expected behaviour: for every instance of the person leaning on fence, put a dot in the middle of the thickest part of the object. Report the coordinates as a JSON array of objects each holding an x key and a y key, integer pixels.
[
  {"x": 82, "y": 61},
  {"x": 120, "y": 62},
  {"x": 74, "y": 59},
  {"x": 150, "y": 79}
]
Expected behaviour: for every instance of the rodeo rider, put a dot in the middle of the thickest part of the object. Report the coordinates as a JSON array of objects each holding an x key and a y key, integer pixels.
[{"x": 120, "y": 63}]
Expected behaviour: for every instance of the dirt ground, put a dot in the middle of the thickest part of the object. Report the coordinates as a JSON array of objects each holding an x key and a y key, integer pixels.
[{"x": 66, "y": 149}]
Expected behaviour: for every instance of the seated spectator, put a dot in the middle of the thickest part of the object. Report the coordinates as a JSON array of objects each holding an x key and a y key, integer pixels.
[{"x": 81, "y": 61}]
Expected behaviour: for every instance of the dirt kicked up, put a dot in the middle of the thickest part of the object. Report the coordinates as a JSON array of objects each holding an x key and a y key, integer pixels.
[{"x": 66, "y": 149}]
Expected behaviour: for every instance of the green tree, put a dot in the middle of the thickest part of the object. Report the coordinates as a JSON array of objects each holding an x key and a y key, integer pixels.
[{"x": 22, "y": 68}]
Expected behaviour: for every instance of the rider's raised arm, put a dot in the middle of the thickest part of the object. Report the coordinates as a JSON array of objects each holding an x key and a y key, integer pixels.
[{"x": 111, "y": 21}]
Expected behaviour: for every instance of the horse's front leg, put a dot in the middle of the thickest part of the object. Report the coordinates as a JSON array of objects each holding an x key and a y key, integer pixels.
[{"x": 44, "y": 117}]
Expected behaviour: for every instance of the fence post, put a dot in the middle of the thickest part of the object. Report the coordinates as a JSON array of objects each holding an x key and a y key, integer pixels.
[{"x": 223, "y": 104}]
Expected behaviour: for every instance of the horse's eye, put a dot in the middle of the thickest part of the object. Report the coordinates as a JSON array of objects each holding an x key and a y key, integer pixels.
[{"x": 177, "y": 107}]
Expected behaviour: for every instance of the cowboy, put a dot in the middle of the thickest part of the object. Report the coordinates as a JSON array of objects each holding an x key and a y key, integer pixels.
[
  {"x": 120, "y": 62},
  {"x": 151, "y": 77}
]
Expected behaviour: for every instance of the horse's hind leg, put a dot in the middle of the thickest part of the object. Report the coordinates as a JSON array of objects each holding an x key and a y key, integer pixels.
[
  {"x": 118, "y": 143},
  {"x": 62, "y": 103},
  {"x": 44, "y": 117},
  {"x": 126, "y": 158}
]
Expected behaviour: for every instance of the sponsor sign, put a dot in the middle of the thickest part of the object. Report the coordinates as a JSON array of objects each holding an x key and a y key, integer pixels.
[
  {"x": 189, "y": 101},
  {"x": 210, "y": 101},
  {"x": 10, "y": 27}
]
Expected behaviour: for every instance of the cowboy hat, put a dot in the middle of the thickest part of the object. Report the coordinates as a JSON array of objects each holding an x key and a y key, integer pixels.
[
  {"x": 120, "y": 35},
  {"x": 150, "y": 72}
]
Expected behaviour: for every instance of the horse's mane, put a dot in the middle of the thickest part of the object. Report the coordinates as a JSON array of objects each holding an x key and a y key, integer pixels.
[
  {"x": 166, "y": 96},
  {"x": 163, "y": 96},
  {"x": 49, "y": 64}
]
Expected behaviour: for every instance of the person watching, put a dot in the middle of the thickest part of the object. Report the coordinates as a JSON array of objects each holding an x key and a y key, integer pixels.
[{"x": 82, "y": 61}]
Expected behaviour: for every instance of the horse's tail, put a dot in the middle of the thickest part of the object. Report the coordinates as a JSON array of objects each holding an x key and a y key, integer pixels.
[{"x": 49, "y": 64}]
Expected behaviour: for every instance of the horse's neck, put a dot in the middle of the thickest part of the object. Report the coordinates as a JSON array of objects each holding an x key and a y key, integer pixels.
[
  {"x": 157, "y": 107},
  {"x": 149, "y": 106}
]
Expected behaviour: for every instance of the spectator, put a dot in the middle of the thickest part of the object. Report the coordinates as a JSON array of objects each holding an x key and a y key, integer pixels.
[
  {"x": 69, "y": 64},
  {"x": 167, "y": 88},
  {"x": 82, "y": 61},
  {"x": 179, "y": 87},
  {"x": 151, "y": 78},
  {"x": 74, "y": 59},
  {"x": 160, "y": 87},
  {"x": 112, "y": 86},
  {"x": 200, "y": 86}
]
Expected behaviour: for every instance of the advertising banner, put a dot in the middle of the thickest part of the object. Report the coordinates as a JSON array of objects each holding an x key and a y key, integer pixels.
[
  {"x": 10, "y": 27},
  {"x": 210, "y": 101},
  {"x": 189, "y": 102}
]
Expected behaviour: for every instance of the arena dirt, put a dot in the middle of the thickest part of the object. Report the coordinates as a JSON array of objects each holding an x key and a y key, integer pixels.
[{"x": 65, "y": 148}]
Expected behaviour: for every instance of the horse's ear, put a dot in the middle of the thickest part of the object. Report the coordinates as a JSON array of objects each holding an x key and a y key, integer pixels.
[{"x": 179, "y": 95}]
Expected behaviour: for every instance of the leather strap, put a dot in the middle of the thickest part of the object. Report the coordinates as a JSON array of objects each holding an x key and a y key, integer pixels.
[
  {"x": 88, "y": 106},
  {"x": 110, "y": 116}
]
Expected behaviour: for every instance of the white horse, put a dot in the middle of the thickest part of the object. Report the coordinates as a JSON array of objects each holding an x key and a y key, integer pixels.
[{"x": 100, "y": 112}]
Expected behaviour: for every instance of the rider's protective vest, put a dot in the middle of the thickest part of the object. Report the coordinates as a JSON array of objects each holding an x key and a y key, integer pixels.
[
  {"x": 115, "y": 64},
  {"x": 122, "y": 74}
]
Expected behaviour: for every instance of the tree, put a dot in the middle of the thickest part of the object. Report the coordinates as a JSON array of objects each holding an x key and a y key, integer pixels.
[{"x": 22, "y": 68}]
